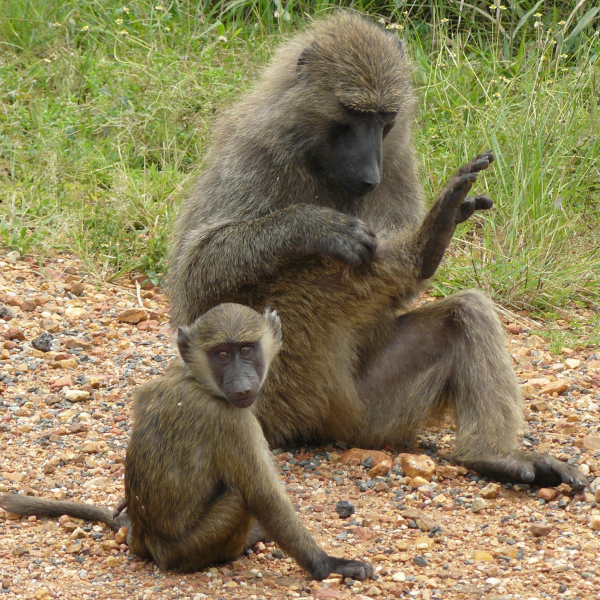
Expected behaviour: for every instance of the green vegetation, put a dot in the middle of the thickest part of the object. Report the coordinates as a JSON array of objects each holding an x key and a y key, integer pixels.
[{"x": 105, "y": 108}]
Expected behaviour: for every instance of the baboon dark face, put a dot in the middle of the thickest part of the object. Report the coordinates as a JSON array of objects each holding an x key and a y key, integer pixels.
[
  {"x": 238, "y": 370},
  {"x": 352, "y": 156}
]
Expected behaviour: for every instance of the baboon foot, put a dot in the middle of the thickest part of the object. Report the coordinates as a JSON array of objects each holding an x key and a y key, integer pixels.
[
  {"x": 354, "y": 569},
  {"x": 121, "y": 506},
  {"x": 530, "y": 467}
]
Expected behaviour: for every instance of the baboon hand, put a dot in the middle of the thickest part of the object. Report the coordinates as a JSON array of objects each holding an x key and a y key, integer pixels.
[
  {"x": 452, "y": 207},
  {"x": 531, "y": 467},
  {"x": 354, "y": 569},
  {"x": 347, "y": 239}
]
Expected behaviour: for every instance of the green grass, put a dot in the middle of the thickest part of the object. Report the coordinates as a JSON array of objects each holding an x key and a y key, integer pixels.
[{"x": 105, "y": 108}]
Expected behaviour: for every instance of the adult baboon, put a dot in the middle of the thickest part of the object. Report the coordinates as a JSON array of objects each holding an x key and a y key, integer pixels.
[
  {"x": 198, "y": 469},
  {"x": 306, "y": 176}
]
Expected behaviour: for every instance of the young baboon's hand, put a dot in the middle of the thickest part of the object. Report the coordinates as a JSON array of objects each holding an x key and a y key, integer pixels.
[
  {"x": 354, "y": 569},
  {"x": 531, "y": 467},
  {"x": 346, "y": 239},
  {"x": 452, "y": 207}
]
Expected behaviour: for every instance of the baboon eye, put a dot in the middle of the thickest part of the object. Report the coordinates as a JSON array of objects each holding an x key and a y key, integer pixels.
[
  {"x": 246, "y": 350},
  {"x": 223, "y": 355},
  {"x": 388, "y": 127}
]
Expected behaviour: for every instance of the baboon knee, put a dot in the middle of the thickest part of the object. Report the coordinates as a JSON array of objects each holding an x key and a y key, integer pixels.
[{"x": 473, "y": 308}]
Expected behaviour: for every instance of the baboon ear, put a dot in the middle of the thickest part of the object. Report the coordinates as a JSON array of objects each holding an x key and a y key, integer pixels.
[
  {"x": 183, "y": 343},
  {"x": 275, "y": 322},
  {"x": 304, "y": 59}
]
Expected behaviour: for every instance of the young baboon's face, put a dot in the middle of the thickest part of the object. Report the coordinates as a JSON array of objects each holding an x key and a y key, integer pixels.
[
  {"x": 352, "y": 157},
  {"x": 238, "y": 370}
]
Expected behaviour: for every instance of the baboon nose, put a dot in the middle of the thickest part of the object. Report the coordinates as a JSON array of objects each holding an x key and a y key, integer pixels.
[
  {"x": 242, "y": 390},
  {"x": 370, "y": 179}
]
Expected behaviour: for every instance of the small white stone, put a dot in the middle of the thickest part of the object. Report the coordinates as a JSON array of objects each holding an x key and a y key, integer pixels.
[
  {"x": 13, "y": 256},
  {"x": 493, "y": 581},
  {"x": 76, "y": 395},
  {"x": 399, "y": 577},
  {"x": 478, "y": 504},
  {"x": 572, "y": 363}
]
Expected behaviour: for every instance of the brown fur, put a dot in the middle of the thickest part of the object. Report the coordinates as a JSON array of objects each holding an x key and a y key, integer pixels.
[
  {"x": 350, "y": 368},
  {"x": 198, "y": 470}
]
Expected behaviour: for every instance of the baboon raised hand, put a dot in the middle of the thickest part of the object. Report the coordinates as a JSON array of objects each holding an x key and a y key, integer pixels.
[
  {"x": 310, "y": 182},
  {"x": 198, "y": 471}
]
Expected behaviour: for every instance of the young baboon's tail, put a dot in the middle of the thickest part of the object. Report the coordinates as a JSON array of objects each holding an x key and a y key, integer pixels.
[{"x": 40, "y": 507}]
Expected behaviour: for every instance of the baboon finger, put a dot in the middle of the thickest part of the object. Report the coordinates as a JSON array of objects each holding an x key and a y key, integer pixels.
[
  {"x": 480, "y": 162},
  {"x": 483, "y": 203},
  {"x": 470, "y": 205},
  {"x": 466, "y": 210},
  {"x": 459, "y": 190}
]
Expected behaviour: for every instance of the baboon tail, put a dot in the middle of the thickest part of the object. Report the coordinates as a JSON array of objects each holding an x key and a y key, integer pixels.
[{"x": 40, "y": 507}]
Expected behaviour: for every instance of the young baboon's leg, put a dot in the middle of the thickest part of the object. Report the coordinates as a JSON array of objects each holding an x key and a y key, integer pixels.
[
  {"x": 219, "y": 536},
  {"x": 451, "y": 353}
]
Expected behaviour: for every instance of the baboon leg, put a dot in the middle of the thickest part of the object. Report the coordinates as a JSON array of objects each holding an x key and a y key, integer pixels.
[
  {"x": 255, "y": 535},
  {"x": 451, "y": 354},
  {"x": 219, "y": 536}
]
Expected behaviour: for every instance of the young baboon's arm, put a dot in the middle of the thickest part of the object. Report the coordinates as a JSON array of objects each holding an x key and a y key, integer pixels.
[
  {"x": 221, "y": 258},
  {"x": 253, "y": 474}
]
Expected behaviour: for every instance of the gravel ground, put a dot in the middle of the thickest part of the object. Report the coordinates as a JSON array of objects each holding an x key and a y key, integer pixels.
[{"x": 72, "y": 354}]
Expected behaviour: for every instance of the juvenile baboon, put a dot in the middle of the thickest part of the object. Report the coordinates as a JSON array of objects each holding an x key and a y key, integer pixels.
[
  {"x": 307, "y": 176},
  {"x": 198, "y": 471}
]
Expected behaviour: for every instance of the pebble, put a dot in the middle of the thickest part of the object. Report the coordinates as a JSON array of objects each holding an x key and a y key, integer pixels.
[
  {"x": 539, "y": 406},
  {"x": 399, "y": 577},
  {"x": 45, "y": 342},
  {"x": 420, "y": 561},
  {"x": 572, "y": 363},
  {"x": 417, "y": 482},
  {"x": 133, "y": 315},
  {"x": 78, "y": 533},
  {"x": 555, "y": 387},
  {"x": 481, "y": 556},
  {"x": 478, "y": 505},
  {"x": 540, "y": 530},
  {"x": 77, "y": 395},
  {"x": 493, "y": 581},
  {"x": 417, "y": 465},
  {"x": 548, "y": 494},
  {"x": 75, "y": 313},
  {"x": 380, "y": 469},
  {"x": 592, "y": 442},
  {"x": 112, "y": 561},
  {"x": 121, "y": 535},
  {"x": 344, "y": 509},
  {"x": 595, "y": 522},
  {"x": 355, "y": 456},
  {"x": 535, "y": 341},
  {"x": 19, "y": 550},
  {"x": 490, "y": 491}
]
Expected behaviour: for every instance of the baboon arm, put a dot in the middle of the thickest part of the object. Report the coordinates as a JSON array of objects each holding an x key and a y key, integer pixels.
[
  {"x": 265, "y": 496},
  {"x": 451, "y": 207},
  {"x": 220, "y": 258}
]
